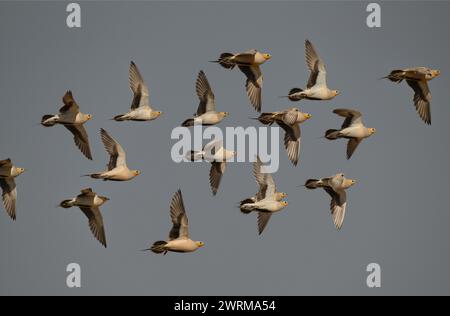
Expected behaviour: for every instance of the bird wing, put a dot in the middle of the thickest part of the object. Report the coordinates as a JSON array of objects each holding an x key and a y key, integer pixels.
[
  {"x": 179, "y": 218},
  {"x": 70, "y": 106},
  {"x": 87, "y": 193},
  {"x": 352, "y": 117},
  {"x": 263, "y": 220},
  {"x": 338, "y": 206},
  {"x": 9, "y": 196},
  {"x": 253, "y": 85},
  {"x": 81, "y": 139},
  {"x": 422, "y": 99},
  {"x": 212, "y": 148},
  {"x": 352, "y": 145},
  {"x": 205, "y": 94},
  {"x": 316, "y": 66},
  {"x": 246, "y": 58},
  {"x": 95, "y": 223},
  {"x": 140, "y": 90},
  {"x": 116, "y": 152},
  {"x": 292, "y": 141},
  {"x": 6, "y": 163},
  {"x": 267, "y": 187},
  {"x": 215, "y": 175}
]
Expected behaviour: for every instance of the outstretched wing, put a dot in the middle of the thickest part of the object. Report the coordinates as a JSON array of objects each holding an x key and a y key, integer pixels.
[
  {"x": 267, "y": 187},
  {"x": 205, "y": 94},
  {"x": 9, "y": 196},
  {"x": 352, "y": 117},
  {"x": 139, "y": 88},
  {"x": 70, "y": 106},
  {"x": 253, "y": 85},
  {"x": 95, "y": 223},
  {"x": 116, "y": 152},
  {"x": 81, "y": 139},
  {"x": 316, "y": 66},
  {"x": 180, "y": 228},
  {"x": 422, "y": 99}
]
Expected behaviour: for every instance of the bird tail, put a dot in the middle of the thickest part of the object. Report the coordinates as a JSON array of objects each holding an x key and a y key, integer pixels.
[
  {"x": 295, "y": 94},
  {"x": 66, "y": 204},
  {"x": 188, "y": 123},
  {"x": 225, "y": 61},
  {"x": 332, "y": 134},
  {"x": 313, "y": 184},
  {"x": 266, "y": 118},
  {"x": 195, "y": 155},
  {"x": 95, "y": 176},
  {"x": 159, "y": 247},
  {"x": 48, "y": 120},
  {"x": 247, "y": 206},
  {"x": 119, "y": 118},
  {"x": 396, "y": 76}
]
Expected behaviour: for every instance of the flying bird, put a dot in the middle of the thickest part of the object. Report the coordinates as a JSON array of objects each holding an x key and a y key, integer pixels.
[
  {"x": 267, "y": 201},
  {"x": 8, "y": 173},
  {"x": 217, "y": 155},
  {"x": 71, "y": 118},
  {"x": 89, "y": 203},
  {"x": 353, "y": 129},
  {"x": 249, "y": 63},
  {"x": 141, "y": 110},
  {"x": 117, "y": 167},
  {"x": 179, "y": 240},
  {"x": 317, "y": 88},
  {"x": 289, "y": 120},
  {"x": 206, "y": 112},
  {"x": 335, "y": 186},
  {"x": 417, "y": 78}
]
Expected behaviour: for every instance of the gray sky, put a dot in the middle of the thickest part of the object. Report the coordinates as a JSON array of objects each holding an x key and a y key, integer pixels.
[{"x": 397, "y": 213}]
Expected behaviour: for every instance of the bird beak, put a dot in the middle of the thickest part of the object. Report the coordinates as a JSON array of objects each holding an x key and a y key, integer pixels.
[
  {"x": 353, "y": 182},
  {"x": 160, "y": 113},
  {"x": 267, "y": 56},
  {"x": 308, "y": 116},
  {"x": 437, "y": 73}
]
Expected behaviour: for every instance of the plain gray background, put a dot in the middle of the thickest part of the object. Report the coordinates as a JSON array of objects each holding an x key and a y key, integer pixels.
[{"x": 398, "y": 212}]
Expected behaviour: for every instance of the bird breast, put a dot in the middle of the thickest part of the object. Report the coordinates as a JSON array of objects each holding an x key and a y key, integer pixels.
[{"x": 182, "y": 245}]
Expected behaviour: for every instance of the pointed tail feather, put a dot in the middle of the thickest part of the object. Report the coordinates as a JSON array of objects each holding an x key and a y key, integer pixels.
[
  {"x": 47, "y": 120},
  {"x": 225, "y": 61},
  {"x": 396, "y": 76},
  {"x": 295, "y": 94},
  {"x": 159, "y": 247},
  {"x": 188, "y": 123},
  {"x": 332, "y": 134},
  {"x": 313, "y": 184},
  {"x": 119, "y": 118},
  {"x": 66, "y": 204}
]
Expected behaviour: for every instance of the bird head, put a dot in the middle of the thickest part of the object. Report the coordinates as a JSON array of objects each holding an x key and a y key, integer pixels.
[
  {"x": 284, "y": 203},
  {"x": 105, "y": 199},
  {"x": 267, "y": 56},
  {"x": 224, "y": 114},
  {"x": 336, "y": 92},
  {"x": 20, "y": 170},
  {"x": 436, "y": 73},
  {"x": 372, "y": 131},
  {"x": 89, "y": 117},
  {"x": 136, "y": 172},
  {"x": 159, "y": 113},
  {"x": 200, "y": 244},
  {"x": 283, "y": 195},
  {"x": 307, "y": 116}
]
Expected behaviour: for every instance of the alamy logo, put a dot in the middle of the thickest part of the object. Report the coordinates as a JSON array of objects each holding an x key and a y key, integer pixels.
[
  {"x": 74, "y": 18},
  {"x": 374, "y": 18},
  {"x": 374, "y": 277},
  {"x": 237, "y": 145},
  {"x": 73, "y": 280}
]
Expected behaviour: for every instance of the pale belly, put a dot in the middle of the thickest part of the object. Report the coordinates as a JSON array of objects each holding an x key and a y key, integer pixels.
[
  {"x": 354, "y": 132},
  {"x": 184, "y": 245},
  {"x": 209, "y": 119},
  {"x": 142, "y": 114}
]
